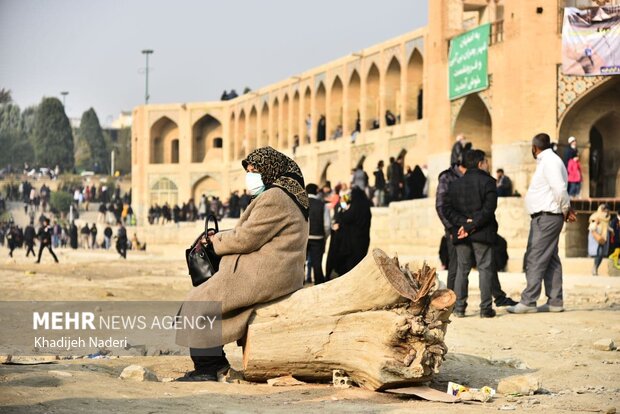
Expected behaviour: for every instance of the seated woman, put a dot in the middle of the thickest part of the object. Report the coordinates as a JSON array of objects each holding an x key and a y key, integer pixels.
[{"x": 262, "y": 259}]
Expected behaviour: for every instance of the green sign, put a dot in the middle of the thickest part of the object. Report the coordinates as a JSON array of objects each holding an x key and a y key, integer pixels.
[{"x": 467, "y": 66}]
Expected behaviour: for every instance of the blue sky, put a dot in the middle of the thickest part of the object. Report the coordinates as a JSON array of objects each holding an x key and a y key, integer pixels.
[{"x": 92, "y": 48}]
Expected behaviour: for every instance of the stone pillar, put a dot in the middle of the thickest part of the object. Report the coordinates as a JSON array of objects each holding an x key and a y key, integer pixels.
[
  {"x": 314, "y": 114},
  {"x": 363, "y": 98},
  {"x": 402, "y": 103},
  {"x": 346, "y": 131},
  {"x": 382, "y": 89},
  {"x": 184, "y": 125}
]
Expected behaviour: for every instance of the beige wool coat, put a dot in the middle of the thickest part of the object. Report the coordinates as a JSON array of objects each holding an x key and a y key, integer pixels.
[{"x": 262, "y": 259}]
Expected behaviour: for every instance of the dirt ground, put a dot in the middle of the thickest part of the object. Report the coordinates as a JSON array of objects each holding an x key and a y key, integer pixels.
[{"x": 558, "y": 348}]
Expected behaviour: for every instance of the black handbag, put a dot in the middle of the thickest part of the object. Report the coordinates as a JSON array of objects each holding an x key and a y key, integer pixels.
[{"x": 202, "y": 261}]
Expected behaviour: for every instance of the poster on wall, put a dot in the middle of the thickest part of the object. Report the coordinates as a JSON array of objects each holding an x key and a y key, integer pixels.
[
  {"x": 591, "y": 41},
  {"x": 467, "y": 65}
]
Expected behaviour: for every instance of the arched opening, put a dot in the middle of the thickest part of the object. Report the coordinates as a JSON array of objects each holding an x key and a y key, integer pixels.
[
  {"x": 284, "y": 139},
  {"x": 174, "y": 151},
  {"x": 208, "y": 186},
  {"x": 336, "y": 102},
  {"x": 251, "y": 131},
  {"x": 242, "y": 137},
  {"x": 204, "y": 131},
  {"x": 306, "y": 110},
  {"x": 163, "y": 132},
  {"x": 164, "y": 191},
  {"x": 353, "y": 101},
  {"x": 605, "y": 145},
  {"x": 274, "y": 137},
  {"x": 474, "y": 120},
  {"x": 595, "y": 121},
  {"x": 415, "y": 71},
  {"x": 319, "y": 101},
  {"x": 392, "y": 89},
  {"x": 263, "y": 140},
  {"x": 295, "y": 121},
  {"x": 373, "y": 118}
]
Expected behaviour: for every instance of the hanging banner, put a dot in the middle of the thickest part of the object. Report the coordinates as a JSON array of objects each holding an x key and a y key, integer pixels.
[
  {"x": 591, "y": 41},
  {"x": 467, "y": 66}
]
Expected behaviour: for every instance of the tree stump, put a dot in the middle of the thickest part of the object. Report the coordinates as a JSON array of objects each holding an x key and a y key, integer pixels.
[{"x": 380, "y": 323}]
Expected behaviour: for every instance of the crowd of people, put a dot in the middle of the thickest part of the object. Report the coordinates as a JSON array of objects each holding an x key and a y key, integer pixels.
[
  {"x": 466, "y": 202},
  {"x": 52, "y": 235}
]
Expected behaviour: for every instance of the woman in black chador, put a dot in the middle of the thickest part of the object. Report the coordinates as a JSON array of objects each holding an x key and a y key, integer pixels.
[{"x": 351, "y": 235}]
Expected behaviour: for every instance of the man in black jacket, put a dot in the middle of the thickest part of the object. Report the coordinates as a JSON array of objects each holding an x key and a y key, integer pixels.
[
  {"x": 121, "y": 240},
  {"x": 445, "y": 178},
  {"x": 470, "y": 209},
  {"x": 45, "y": 240},
  {"x": 320, "y": 225},
  {"x": 29, "y": 235}
]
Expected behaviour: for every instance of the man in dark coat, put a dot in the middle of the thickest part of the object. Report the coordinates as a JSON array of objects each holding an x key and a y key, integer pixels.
[
  {"x": 121, "y": 240},
  {"x": 29, "y": 235},
  {"x": 459, "y": 147},
  {"x": 45, "y": 240},
  {"x": 470, "y": 209},
  {"x": 397, "y": 180},
  {"x": 93, "y": 236},
  {"x": 11, "y": 239},
  {"x": 379, "y": 185},
  {"x": 320, "y": 224},
  {"x": 445, "y": 178}
]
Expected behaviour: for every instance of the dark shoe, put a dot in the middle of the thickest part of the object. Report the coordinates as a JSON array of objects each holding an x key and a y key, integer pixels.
[
  {"x": 196, "y": 376},
  {"x": 210, "y": 375},
  {"x": 489, "y": 313},
  {"x": 505, "y": 301}
]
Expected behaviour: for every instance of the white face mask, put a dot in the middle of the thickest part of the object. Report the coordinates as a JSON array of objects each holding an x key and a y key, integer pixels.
[{"x": 254, "y": 183}]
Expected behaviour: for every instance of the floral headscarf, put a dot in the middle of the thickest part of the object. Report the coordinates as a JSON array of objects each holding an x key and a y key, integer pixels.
[{"x": 278, "y": 170}]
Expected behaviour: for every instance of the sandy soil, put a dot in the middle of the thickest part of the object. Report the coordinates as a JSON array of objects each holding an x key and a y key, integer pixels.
[{"x": 555, "y": 347}]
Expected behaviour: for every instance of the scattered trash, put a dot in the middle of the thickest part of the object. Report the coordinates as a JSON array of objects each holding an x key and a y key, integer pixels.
[
  {"x": 519, "y": 384},
  {"x": 483, "y": 394},
  {"x": 340, "y": 379},
  {"x": 605, "y": 344},
  {"x": 285, "y": 381},
  {"x": 101, "y": 354},
  {"x": 138, "y": 373},
  {"x": 30, "y": 272},
  {"x": 554, "y": 331}
]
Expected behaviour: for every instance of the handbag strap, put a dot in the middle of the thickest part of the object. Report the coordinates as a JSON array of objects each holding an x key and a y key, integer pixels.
[{"x": 209, "y": 217}]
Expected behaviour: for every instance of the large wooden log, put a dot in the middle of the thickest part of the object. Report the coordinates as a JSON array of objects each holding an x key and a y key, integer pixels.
[{"x": 380, "y": 323}]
